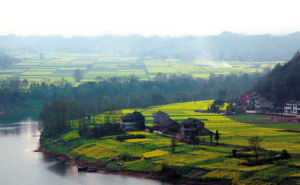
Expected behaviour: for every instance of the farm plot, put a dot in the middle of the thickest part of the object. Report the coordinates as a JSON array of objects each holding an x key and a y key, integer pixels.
[
  {"x": 149, "y": 154},
  {"x": 33, "y": 67}
]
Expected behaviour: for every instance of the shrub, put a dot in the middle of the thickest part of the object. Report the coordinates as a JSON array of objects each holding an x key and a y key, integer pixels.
[
  {"x": 285, "y": 154},
  {"x": 169, "y": 173},
  {"x": 130, "y": 136},
  {"x": 234, "y": 152},
  {"x": 127, "y": 157}
]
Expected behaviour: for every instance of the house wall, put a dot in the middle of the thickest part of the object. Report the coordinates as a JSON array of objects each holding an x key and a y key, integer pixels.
[
  {"x": 128, "y": 125},
  {"x": 292, "y": 109},
  {"x": 245, "y": 99}
]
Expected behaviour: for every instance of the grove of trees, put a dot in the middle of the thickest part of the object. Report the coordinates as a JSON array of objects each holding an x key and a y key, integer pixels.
[
  {"x": 282, "y": 83},
  {"x": 127, "y": 92},
  {"x": 54, "y": 117}
]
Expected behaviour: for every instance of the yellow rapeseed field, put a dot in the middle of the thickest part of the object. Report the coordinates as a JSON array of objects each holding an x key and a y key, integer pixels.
[{"x": 155, "y": 153}]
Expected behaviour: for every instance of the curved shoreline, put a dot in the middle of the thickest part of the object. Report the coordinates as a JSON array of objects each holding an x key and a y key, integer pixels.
[{"x": 146, "y": 175}]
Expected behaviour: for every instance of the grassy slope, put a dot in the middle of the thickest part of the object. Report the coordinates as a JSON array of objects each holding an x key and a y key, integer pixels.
[{"x": 215, "y": 161}]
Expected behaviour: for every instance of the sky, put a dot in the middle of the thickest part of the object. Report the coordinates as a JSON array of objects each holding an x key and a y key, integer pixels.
[{"x": 148, "y": 17}]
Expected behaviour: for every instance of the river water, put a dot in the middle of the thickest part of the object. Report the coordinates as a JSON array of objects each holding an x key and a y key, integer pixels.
[{"x": 20, "y": 165}]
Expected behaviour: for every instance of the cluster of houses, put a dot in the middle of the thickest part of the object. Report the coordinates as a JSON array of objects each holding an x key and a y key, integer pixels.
[
  {"x": 187, "y": 130},
  {"x": 255, "y": 102}
]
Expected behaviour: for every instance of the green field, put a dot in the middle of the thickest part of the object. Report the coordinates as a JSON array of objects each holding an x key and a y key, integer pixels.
[
  {"x": 57, "y": 65},
  {"x": 252, "y": 118},
  {"x": 194, "y": 161}
]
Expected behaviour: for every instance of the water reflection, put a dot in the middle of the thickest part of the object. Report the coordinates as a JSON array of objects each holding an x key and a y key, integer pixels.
[
  {"x": 10, "y": 131},
  {"x": 16, "y": 117},
  {"x": 60, "y": 168},
  {"x": 19, "y": 128},
  {"x": 19, "y": 164}
]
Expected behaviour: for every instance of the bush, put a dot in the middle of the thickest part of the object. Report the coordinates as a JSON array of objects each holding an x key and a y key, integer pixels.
[
  {"x": 285, "y": 154},
  {"x": 234, "y": 152},
  {"x": 130, "y": 136},
  {"x": 169, "y": 173},
  {"x": 127, "y": 157}
]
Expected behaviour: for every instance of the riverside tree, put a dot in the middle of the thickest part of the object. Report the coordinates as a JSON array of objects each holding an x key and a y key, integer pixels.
[{"x": 54, "y": 117}]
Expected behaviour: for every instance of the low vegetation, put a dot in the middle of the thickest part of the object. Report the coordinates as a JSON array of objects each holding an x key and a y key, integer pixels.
[{"x": 209, "y": 163}]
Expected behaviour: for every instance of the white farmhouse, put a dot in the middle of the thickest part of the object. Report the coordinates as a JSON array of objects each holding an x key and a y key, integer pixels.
[{"x": 292, "y": 107}]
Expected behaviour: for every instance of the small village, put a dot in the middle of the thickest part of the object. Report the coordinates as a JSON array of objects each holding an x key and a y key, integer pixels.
[
  {"x": 187, "y": 131},
  {"x": 253, "y": 103}
]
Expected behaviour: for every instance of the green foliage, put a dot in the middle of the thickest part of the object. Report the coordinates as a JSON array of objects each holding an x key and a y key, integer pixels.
[
  {"x": 54, "y": 117},
  {"x": 77, "y": 75},
  {"x": 255, "y": 143},
  {"x": 149, "y": 153},
  {"x": 217, "y": 105},
  {"x": 282, "y": 83},
  {"x": 130, "y": 136},
  {"x": 110, "y": 126},
  {"x": 217, "y": 137}
]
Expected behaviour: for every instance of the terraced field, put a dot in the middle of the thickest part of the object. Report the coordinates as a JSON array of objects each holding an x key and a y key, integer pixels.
[
  {"x": 194, "y": 161},
  {"x": 57, "y": 65}
]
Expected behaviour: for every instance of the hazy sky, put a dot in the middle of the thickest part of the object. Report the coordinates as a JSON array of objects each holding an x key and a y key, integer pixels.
[{"x": 151, "y": 17}]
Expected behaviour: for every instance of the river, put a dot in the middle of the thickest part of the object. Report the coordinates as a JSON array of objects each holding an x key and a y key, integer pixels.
[{"x": 20, "y": 165}]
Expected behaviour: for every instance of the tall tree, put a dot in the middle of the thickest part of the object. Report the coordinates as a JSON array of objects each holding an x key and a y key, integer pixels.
[
  {"x": 54, "y": 118},
  {"x": 77, "y": 75},
  {"x": 217, "y": 137},
  {"x": 173, "y": 143},
  {"x": 255, "y": 142}
]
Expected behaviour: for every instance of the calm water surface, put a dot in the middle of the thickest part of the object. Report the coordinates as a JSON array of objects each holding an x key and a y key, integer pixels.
[{"x": 20, "y": 165}]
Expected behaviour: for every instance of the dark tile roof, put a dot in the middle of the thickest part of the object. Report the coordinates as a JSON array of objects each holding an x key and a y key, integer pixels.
[
  {"x": 135, "y": 116},
  {"x": 193, "y": 121}
]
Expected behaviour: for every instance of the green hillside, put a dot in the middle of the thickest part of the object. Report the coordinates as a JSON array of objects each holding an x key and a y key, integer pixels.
[{"x": 203, "y": 162}]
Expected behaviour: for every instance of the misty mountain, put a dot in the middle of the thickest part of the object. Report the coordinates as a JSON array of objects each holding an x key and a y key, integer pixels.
[{"x": 226, "y": 46}]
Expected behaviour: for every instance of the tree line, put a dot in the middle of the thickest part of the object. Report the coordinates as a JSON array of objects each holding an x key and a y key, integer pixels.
[
  {"x": 123, "y": 92},
  {"x": 282, "y": 83}
]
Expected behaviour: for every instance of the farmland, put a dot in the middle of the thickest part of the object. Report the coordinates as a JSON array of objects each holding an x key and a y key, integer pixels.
[
  {"x": 53, "y": 66},
  {"x": 198, "y": 162}
]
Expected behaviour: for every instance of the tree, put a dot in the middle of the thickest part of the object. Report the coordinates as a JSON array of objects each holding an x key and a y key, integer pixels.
[
  {"x": 77, "y": 75},
  {"x": 160, "y": 77},
  {"x": 83, "y": 129},
  {"x": 217, "y": 104},
  {"x": 211, "y": 138},
  {"x": 254, "y": 142},
  {"x": 54, "y": 118},
  {"x": 217, "y": 137},
  {"x": 173, "y": 143}
]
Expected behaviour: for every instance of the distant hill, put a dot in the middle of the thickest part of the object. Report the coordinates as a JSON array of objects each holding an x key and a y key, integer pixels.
[
  {"x": 283, "y": 82},
  {"x": 6, "y": 60},
  {"x": 226, "y": 46}
]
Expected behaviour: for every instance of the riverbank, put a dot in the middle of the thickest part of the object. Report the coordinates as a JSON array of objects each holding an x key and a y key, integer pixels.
[
  {"x": 153, "y": 155},
  {"x": 98, "y": 168}
]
